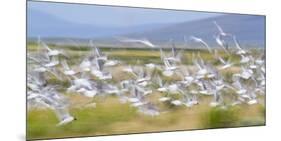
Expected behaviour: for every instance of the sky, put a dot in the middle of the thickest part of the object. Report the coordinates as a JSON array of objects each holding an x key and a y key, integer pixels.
[{"x": 115, "y": 16}]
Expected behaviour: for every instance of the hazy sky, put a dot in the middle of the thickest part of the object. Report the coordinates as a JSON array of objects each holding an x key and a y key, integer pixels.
[{"x": 115, "y": 16}]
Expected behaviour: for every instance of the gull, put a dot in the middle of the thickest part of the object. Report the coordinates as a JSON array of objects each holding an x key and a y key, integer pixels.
[
  {"x": 130, "y": 70},
  {"x": 162, "y": 87},
  {"x": 143, "y": 76},
  {"x": 141, "y": 41},
  {"x": 51, "y": 98},
  {"x": 173, "y": 89},
  {"x": 52, "y": 52},
  {"x": 200, "y": 65},
  {"x": 149, "y": 109},
  {"x": 164, "y": 99},
  {"x": 169, "y": 69},
  {"x": 90, "y": 93},
  {"x": 226, "y": 64},
  {"x": 99, "y": 63},
  {"x": 211, "y": 71},
  {"x": 219, "y": 84},
  {"x": 252, "y": 101},
  {"x": 82, "y": 85},
  {"x": 140, "y": 87},
  {"x": 37, "y": 78},
  {"x": 44, "y": 61},
  {"x": 137, "y": 104},
  {"x": 85, "y": 65},
  {"x": 244, "y": 59},
  {"x": 63, "y": 116},
  {"x": 83, "y": 91},
  {"x": 125, "y": 84},
  {"x": 174, "y": 56},
  {"x": 102, "y": 75},
  {"x": 98, "y": 70},
  {"x": 190, "y": 101},
  {"x": 52, "y": 63},
  {"x": 109, "y": 89},
  {"x": 110, "y": 63},
  {"x": 222, "y": 43},
  {"x": 176, "y": 102},
  {"x": 137, "y": 99},
  {"x": 260, "y": 60},
  {"x": 96, "y": 51},
  {"x": 133, "y": 100},
  {"x": 238, "y": 88},
  {"x": 199, "y": 40},
  {"x": 214, "y": 104},
  {"x": 237, "y": 102},
  {"x": 43, "y": 68},
  {"x": 240, "y": 50},
  {"x": 253, "y": 66},
  {"x": 217, "y": 99},
  {"x": 205, "y": 87},
  {"x": 150, "y": 65},
  {"x": 261, "y": 79},
  {"x": 246, "y": 73},
  {"x": 67, "y": 70},
  {"x": 82, "y": 82},
  {"x": 221, "y": 32},
  {"x": 188, "y": 80}
]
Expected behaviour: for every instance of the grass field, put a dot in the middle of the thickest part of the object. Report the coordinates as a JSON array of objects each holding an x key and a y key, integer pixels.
[{"x": 111, "y": 117}]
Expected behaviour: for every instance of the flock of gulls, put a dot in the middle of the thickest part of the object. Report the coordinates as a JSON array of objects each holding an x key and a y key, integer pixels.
[{"x": 91, "y": 78}]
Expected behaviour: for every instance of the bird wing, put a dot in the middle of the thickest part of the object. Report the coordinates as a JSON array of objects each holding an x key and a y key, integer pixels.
[
  {"x": 199, "y": 40},
  {"x": 237, "y": 45},
  {"x": 142, "y": 41},
  {"x": 45, "y": 46},
  {"x": 219, "y": 28},
  {"x": 65, "y": 65}
]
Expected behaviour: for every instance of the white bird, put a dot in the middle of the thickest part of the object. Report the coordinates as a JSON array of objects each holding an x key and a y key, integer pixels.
[
  {"x": 169, "y": 68},
  {"x": 244, "y": 59},
  {"x": 150, "y": 65},
  {"x": 252, "y": 101},
  {"x": 52, "y": 52},
  {"x": 149, "y": 109},
  {"x": 240, "y": 50},
  {"x": 164, "y": 99},
  {"x": 221, "y": 32},
  {"x": 67, "y": 70},
  {"x": 199, "y": 40},
  {"x": 54, "y": 62},
  {"x": 238, "y": 88},
  {"x": 110, "y": 63},
  {"x": 226, "y": 64},
  {"x": 222, "y": 43},
  {"x": 142, "y": 41},
  {"x": 246, "y": 73},
  {"x": 85, "y": 65},
  {"x": 63, "y": 116},
  {"x": 176, "y": 102}
]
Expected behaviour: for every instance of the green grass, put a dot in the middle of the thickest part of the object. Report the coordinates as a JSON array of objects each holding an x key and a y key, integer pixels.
[
  {"x": 142, "y": 56},
  {"x": 42, "y": 123},
  {"x": 112, "y": 117},
  {"x": 218, "y": 118}
]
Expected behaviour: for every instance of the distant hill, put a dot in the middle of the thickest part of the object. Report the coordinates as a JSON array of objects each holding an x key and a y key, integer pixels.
[
  {"x": 249, "y": 30},
  {"x": 49, "y": 26}
]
